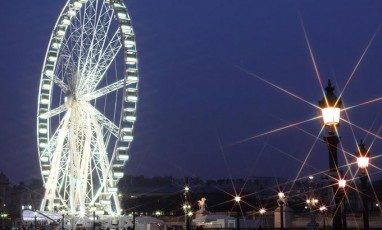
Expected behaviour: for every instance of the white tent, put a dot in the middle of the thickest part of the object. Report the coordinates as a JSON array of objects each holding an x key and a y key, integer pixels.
[
  {"x": 29, "y": 215},
  {"x": 148, "y": 223},
  {"x": 215, "y": 221}
]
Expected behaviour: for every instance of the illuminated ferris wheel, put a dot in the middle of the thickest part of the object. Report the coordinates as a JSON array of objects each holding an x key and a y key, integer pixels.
[{"x": 87, "y": 106}]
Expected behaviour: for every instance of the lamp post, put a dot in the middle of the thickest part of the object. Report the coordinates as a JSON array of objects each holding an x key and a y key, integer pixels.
[
  {"x": 237, "y": 203},
  {"x": 342, "y": 187},
  {"x": 187, "y": 208},
  {"x": 262, "y": 212},
  {"x": 312, "y": 202},
  {"x": 63, "y": 221},
  {"x": 63, "y": 211},
  {"x": 133, "y": 219},
  {"x": 323, "y": 210},
  {"x": 363, "y": 162},
  {"x": 281, "y": 202},
  {"x": 35, "y": 220},
  {"x": 93, "y": 209},
  {"x": 330, "y": 106}
]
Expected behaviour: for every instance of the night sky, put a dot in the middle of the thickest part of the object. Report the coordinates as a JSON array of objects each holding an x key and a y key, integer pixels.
[{"x": 199, "y": 96}]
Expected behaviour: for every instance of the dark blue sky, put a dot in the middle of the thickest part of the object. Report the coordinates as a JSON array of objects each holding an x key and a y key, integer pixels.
[{"x": 195, "y": 97}]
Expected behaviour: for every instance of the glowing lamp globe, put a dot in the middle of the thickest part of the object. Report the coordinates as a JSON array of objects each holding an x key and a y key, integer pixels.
[
  {"x": 363, "y": 162},
  {"x": 362, "y": 156},
  {"x": 237, "y": 198},
  {"x": 330, "y": 106},
  {"x": 281, "y": 195},
  {"x": 262, "y": 211},
  {"x": 331, "y": 115},
  {"x": 342, "y": 183}
]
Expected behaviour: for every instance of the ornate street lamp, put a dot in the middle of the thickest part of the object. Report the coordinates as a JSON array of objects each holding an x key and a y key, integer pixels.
[
  {"x": 363, "y": 162},
  {"x": 281, "y": 202},
  {"x": 331, "y": 106}
]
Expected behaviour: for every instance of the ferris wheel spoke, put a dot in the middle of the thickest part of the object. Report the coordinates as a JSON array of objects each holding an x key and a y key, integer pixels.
[
  {"x": 64, "y": 87},
  {"x": 53, "y": 112},
  {"x": 87, "y": 38},
  {"x": 55, "y": 153},
  {"x": 103, "y": 91},
  {"x": 62, "y": 180},
  {"x": 85, "y": 160},
  {"x": 102, "y": 161},
  {"x": 96, "y": 28},
  {"x": 54, "y": 144},
  {"x": 66, "y": 61},
  {"x": 105, "y": 60},
  {"x": 104, "y": 121},
  {"x": 82, "y": 39},
  {"x": 99, "y": 37}
]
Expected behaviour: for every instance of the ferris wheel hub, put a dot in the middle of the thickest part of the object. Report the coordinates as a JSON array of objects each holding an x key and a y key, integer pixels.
[{"x": 69, "y": 101}]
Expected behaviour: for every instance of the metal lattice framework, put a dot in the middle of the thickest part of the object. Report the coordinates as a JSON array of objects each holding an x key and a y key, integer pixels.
[{"x": 87, "y": 106}]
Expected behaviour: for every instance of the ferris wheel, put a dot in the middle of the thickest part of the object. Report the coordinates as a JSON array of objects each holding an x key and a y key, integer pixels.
[{"x": 87, "y": 106}]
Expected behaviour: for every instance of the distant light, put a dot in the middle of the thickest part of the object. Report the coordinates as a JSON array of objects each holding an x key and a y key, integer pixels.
[
  {"x": 377, "y": 205},
  {"x": 186, "y": 188},
  {"x": 311, "y": 177},
  {"x": 363, "y": 162},
  {"x": 262, "y": 211},
  {"x": 323, "y": 208},
  {"x": 237, "y": 198},
  {"x": 281, "y": 195},
  {"x": 342, "y": 183},
  {"x": 158, "y": 213}
]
